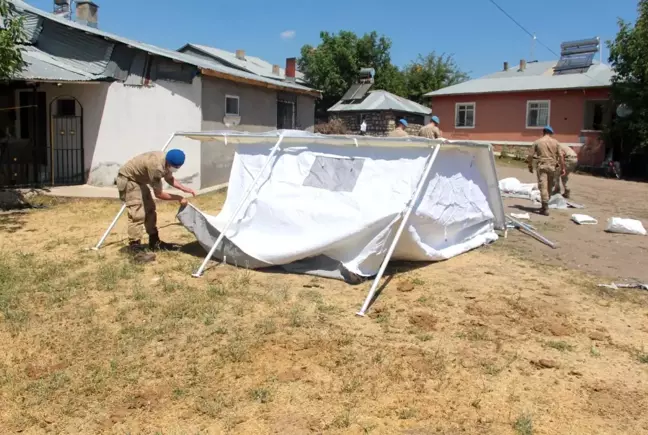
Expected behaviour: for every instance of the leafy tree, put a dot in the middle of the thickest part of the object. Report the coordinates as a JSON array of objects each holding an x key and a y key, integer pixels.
[
  {"x": 11, "y": 34},
  {"x": 333, "y": 65},
  {"x": 429, "y": 73},
  {"x": 629, "y": 58}
]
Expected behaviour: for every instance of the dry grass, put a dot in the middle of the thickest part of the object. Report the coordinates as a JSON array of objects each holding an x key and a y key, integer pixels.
[{"x": 95, "y": 343}]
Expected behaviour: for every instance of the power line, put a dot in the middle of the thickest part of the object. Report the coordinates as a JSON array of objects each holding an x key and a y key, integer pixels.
[{"x": 524, "y": 29}]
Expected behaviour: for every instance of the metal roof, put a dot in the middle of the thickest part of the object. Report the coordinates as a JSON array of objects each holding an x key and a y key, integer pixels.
[
  {"x": 45, "y": 67},
  {"x": 382, "y": 100},
  {"x": 170, "y": 54},
  {"x": 536, "y": 76},
  {"x": 252, "y": 64}
]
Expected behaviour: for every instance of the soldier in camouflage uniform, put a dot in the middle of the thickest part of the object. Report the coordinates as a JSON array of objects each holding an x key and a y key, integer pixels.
[
  {"x": 431, "y": 131},
  {"x": 571, "y": 161},
  {"x": 133, "y": 181},
  {"x": 399, "y": 131},
  {"x": 549, "y": 159}
]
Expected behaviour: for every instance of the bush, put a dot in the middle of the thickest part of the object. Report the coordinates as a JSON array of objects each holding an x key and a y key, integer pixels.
[{"x": 334, "y": 126}]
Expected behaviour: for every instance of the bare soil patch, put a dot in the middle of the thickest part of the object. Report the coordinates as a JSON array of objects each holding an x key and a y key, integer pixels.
[
  {"x": 586, "y": 247},
  {"x": 93, "y": 343}
]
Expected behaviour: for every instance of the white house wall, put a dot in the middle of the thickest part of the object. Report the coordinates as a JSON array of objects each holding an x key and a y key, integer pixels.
[{"x": 120, "y": 122}]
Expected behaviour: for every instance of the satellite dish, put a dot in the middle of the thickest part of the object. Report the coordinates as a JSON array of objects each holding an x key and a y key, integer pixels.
[
  {"x": 623, "y": 111},
  {"x": 231, "y": 120}
]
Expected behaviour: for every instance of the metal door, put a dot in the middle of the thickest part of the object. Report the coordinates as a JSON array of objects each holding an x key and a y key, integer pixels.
[{"x": 66, "y": 142}]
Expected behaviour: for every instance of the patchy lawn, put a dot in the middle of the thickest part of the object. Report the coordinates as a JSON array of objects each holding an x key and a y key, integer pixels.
[{"x": 487, "y": 343}]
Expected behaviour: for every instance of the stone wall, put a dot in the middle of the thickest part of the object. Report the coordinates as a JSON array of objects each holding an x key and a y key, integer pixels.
[{"x": 379, "y": 123}]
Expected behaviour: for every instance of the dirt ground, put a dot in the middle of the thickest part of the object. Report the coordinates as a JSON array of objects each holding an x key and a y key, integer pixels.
[
  {"x": 586, "y": 247},
  {"x": 491, "y": 342}
]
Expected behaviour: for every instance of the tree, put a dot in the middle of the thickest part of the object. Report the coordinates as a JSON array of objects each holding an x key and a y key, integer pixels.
[
  {"x": 429, "y": 73},
  {"x": 11, "y": 35},
  {"x": 629, "y": 58},
  {"x": 333, "y": 66}
]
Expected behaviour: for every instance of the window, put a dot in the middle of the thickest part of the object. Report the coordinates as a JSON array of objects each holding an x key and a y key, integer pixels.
[
  {"x": 465, "y": 115},
  {"x": 231, "y": 105},
  {"x": 537, "y": 114},
  {"x": 65, "y": 107}
]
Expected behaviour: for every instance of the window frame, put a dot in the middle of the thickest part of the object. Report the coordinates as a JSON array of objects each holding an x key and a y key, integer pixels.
[
  {"x": 474, "y": 109},
  {"x": 526, "y": 118},
  {"x": 238, "y": 105}
]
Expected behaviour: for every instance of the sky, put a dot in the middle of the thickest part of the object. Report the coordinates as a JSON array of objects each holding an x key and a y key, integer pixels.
[{"x": 478, "y": 35}]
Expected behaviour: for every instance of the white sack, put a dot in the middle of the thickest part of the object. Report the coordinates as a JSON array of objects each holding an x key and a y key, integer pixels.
[
  {"x": 583, "y": 219},
  {"x": 625, "y": 226},
  {"x": 513, "y": 186}
]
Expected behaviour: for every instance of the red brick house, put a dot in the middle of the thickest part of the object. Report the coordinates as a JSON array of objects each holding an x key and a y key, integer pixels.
[{"x": 509, "y": 108}]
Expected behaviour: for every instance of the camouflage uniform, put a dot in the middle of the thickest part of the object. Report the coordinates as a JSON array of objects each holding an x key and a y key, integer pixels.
[
  {"x": 398, "y": 132},
  {"x": 430, "y": 131},
  {"x": 571, "y": 160},
  {"x": 546, "y": 152},
  {"x": 132, "y": 182}
]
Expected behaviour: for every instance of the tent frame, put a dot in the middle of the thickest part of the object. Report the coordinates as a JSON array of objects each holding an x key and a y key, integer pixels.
[{"x": 339, "y": 140}]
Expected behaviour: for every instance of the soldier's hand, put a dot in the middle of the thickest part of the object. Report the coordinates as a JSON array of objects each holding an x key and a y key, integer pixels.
[
  {"x": 191, "y": 192},
  {"x": 563, "y": 173},
  {"x": 184, "y": 202}
]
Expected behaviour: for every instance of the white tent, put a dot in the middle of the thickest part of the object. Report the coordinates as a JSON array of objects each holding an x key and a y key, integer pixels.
[{"x": 342, "y": 207}]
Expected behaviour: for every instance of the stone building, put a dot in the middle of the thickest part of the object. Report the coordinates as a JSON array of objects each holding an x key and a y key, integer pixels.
[{"x": 380, "y": 110}]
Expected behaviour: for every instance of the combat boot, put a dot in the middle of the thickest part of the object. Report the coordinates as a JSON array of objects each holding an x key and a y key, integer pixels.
[
  {"x": 544, "y": 210},
  {"x": 155, "y": 244},
  {"x": 566, "y": 194},
  {"x": 138, "y": 251}
]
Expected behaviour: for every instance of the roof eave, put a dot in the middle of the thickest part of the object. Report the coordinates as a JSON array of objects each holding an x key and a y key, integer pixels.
[
  {"x": 275, "y": 86},
  {"x": 513, "y": 91}
]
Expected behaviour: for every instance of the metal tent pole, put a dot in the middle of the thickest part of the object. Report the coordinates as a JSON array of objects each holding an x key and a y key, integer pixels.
[
  {"x": 220, "y": 238},
  {"x": 121, "y": 211},
  {"x": 408, "y": 212}
]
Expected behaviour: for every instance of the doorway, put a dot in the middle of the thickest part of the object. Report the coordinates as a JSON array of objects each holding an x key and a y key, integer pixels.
[
  {"x": 285, "y": 115},
  {"x": 66, "y": 141}
]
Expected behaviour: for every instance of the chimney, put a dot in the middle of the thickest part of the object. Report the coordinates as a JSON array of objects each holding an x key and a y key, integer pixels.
[
  {"x": 87, "y": 13},
  {"x": 522, "y": 64},
  {"x": 505, "y": 66},
  {"x": 276, "y": 70},
  {"x": 291, "y": 67},
  {"x": 240, "y": 54}
]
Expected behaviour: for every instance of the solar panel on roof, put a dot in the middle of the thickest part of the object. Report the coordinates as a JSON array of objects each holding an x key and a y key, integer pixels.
[
  {"x": 576, "y": 56},
  {"x": 357, "y": 91}
]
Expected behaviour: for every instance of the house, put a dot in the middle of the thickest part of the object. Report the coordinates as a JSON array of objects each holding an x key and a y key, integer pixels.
[
  {"x": 380, "y": 109},
  {"x": 88, "y": 100},
  {"x": 509, "y": 108}
]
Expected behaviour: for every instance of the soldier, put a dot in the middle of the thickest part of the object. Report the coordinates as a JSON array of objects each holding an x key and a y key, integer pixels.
[
  {"x": 431, "y": 131},
  {"x": 133, "y": 181},
  {"x": 546, "y": 152},
  {"x": 399, "y": 131},
  {"x": 571, "y": 160}
]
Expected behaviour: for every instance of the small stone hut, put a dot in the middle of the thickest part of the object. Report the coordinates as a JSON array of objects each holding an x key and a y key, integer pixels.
[{"x": 381, "y": 110}]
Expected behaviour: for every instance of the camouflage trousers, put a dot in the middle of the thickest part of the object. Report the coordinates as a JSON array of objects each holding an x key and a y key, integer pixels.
[
  {"x": 570, "y": 166},
  {"x": 140, "y": 207},
  {"x": 546, "y": 179}
]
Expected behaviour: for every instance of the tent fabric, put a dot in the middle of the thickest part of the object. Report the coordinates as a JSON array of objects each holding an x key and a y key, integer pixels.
[{"x": 333, "y": 211}]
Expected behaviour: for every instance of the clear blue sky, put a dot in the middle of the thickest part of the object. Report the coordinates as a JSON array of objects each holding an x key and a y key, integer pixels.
[{"x": 478, "y": 35}]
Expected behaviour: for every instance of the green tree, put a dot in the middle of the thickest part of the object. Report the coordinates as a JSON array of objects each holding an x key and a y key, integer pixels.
[
  {"x": 11, "y": 34},
  {"x": 333, "y": 65},
  {"x": 629, "y": 58},
  {"x": 429, "y": 73}
]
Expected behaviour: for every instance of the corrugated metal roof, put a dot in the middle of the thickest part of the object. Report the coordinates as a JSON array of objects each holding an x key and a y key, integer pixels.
[
  {"x": 170, "y": 54},
  {"x": 537, "y": 76},
  {"x": 43, "y": 66},
  {"x": 32, "y": 26},
  {"x": 251, "y": 64},
  {"x": 382, "y": 100}
]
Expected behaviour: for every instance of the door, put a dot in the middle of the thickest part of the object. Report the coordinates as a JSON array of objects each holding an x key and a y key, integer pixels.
[
  {"x": 285, "y": 115},
  {"x": 66, "y": 145}
]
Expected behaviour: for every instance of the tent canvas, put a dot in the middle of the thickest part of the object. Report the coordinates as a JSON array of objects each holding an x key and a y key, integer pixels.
[
  {"x": 342, "y": 206},
  {"x": 331, "y": 210}
]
